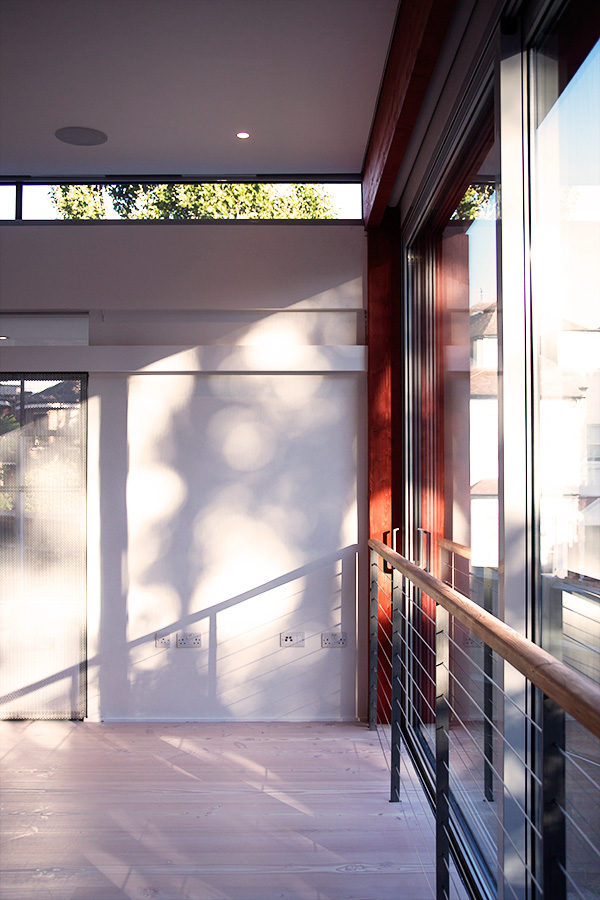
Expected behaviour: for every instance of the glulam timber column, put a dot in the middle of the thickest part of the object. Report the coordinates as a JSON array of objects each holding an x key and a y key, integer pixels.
[
  {"x": 419, "y": 35},
  {"x": 380, "y": 381},
  {"x": 380, "y": 245}
]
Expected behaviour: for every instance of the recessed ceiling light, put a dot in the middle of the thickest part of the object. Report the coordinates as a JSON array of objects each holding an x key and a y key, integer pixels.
[
  {"x": 3, "y": 337},
  {"x": 81, "y": 137},
  {"x": 242, "y": 135}
]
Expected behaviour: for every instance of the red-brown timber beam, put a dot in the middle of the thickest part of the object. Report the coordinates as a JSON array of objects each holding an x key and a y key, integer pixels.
[{"x": 418, "y": 37}]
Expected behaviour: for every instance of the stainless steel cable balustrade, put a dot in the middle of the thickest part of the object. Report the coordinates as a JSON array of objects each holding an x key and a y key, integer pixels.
[{"x": 449, "y": 689}]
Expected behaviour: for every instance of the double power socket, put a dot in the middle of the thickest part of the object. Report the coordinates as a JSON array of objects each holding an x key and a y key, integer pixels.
[
  {"x": 183, "y": 639},
  {"x": 328, "y": 639},
  {"x": 193, "y": 640}
]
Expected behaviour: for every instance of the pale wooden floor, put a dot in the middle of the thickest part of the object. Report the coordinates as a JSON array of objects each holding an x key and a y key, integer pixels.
[{"x": 207, "y": 812}]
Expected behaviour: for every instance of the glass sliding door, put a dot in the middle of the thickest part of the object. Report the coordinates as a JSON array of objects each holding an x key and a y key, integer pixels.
[
  {"x": 565, "y": 97},
  {"x": 468, "y": 363},
  {"x": 453, "y": 372},
  {"x": 502, "y": 454},
  {"x": 43, "y": 546}
]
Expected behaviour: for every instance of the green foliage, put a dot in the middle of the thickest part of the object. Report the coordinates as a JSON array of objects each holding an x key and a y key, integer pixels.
[
  {"x": 475, "y": 203},
  {"x": 309, "y": 201},
  {"x": 79, "y": 201},
  {"x": 8, "y": 423},
  {"x": 194, "y": 201}
]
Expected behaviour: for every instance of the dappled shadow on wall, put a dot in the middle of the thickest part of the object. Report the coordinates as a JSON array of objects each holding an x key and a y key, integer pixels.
[{"x": 241, "y": 494}]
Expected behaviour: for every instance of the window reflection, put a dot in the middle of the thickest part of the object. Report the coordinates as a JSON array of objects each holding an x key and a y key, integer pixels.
[
  {"x": 566, "y": 306},
  {"x": 466, "y": 302},
  {"x": 566, "y": 282},
  {"x": 467, "y": 288}
]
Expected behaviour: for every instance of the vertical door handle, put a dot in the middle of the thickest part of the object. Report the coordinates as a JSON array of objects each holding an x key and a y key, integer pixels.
[
  {"x": 424, "y": 549},
  {"x": 386, "y": 566}
]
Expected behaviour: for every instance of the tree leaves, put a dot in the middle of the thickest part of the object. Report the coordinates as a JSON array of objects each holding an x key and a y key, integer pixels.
[
  {"x": 476, "y": 203},
  {"x": 79, "y": 201},
  {"x": 194, "y": 201}
]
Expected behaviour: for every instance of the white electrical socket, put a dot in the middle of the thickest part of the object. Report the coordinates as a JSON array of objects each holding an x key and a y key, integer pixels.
[
  {"x": 334, "y": 639},
  {"x": 291, "y": 639},
  {"x": 162, "y": 640},
  {"x": 189, "y": 639}
]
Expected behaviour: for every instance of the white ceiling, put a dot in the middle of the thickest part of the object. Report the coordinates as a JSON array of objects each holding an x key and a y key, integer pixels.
[{"x": 171, "y": 82}]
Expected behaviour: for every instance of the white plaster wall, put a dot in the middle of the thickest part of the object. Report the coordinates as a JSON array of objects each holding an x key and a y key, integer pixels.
[
  {"x": 232, "y": 511},
  {"x": 179, "y": 266},
  {"x": 229, "y": 503}
]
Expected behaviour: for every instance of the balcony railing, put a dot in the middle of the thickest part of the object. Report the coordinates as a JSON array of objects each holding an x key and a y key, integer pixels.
[{"x": 504, "y": 735}]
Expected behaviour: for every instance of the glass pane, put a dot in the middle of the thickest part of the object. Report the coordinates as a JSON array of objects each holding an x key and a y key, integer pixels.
[
  {"x": 8, "y": 196},
  {"x": 214, "y": 200},
  {"x": 453, "y": 285},
  {"x": 566, "y": 280},
  {"x": 42, "y": 546},
  {"x": 467, "y": 297},
  {"x": 467, "y": 303},
  {"x": 566, "y": 302}
]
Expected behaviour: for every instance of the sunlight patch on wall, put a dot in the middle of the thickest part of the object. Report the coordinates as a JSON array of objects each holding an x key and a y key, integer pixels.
[
  {"x": 246, "y": 442},
  {"x": 233, "y": 524}
]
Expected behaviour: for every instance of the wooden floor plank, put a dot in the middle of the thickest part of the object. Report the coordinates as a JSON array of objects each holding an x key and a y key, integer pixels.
[{"x": 206, "y": 811}]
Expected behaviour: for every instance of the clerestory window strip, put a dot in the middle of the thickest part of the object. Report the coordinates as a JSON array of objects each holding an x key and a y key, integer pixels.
[{"x": 178, "y": 198}]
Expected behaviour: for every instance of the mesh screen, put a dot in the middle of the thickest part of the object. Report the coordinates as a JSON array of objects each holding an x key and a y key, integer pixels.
[{"x": 42, "y": 546}]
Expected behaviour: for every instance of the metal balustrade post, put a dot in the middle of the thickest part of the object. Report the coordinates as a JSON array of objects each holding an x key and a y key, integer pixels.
[
  {"x": 531, "y": 839},
  {"x": 373, "y": 635},
  {"x": 488, "y": 688},
  {"x": 553, "y": 801},
  {"x": 397, "y": 705},
  {"x": 442, "y": 762}
]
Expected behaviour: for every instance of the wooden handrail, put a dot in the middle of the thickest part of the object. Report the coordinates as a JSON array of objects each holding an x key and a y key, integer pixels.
[
  {"x": 577, "y": 695},
  {"x": 453, "y": 547}
]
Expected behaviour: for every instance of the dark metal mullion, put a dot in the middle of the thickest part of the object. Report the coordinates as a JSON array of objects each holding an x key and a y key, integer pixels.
[
  {"x": 553, "y": 800},
  {"x": 442, "y": 758},
  {"x": 19, "y": 200},
  {"x": 488, "y": 698},
  {"x": 397, "y": 686},
  {"x": 173, "y": 178},
  {"x": 373, "y": 635}
]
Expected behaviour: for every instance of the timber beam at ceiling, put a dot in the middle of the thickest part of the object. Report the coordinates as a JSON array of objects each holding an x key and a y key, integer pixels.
[{"x": 418, "y": 37}]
